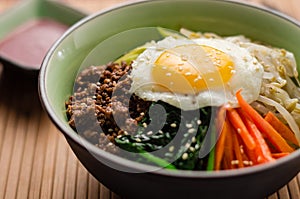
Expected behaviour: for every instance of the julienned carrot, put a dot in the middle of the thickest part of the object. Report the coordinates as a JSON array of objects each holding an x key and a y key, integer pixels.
[
  {"x": 262, "y": 151},
  {"x": 281, "y": 128},
  {"x": 279, "y": 155},
  {"x": 251, "y": 156},
  {"x": 223, "y": 129},
  {"x": 228, "y": 150},
  {"x": 239, "y": 125},
  {"x": 220, "y": 118},
  {"x": 237, "y": 149},
  {"x": 265, "y": 127}
]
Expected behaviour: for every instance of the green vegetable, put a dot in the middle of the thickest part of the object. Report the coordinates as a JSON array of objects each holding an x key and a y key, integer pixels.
[
  {"x": 170, "y": 33},
  {"x": 132, "y": 55},
  {"x": 177, "y": 142},
  {"x": 159, "y": 162},
  {"x": 211, "y": 158}
]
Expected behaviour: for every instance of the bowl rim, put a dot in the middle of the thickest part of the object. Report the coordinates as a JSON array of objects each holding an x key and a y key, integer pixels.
[{"x": 139, "y": 167}]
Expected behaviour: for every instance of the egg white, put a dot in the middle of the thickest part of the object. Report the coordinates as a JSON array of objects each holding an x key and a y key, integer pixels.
[{"x": 248, "y": 73}]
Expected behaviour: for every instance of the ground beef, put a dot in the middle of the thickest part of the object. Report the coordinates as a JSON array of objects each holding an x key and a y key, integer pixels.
[{"x": 102, "y": 108}]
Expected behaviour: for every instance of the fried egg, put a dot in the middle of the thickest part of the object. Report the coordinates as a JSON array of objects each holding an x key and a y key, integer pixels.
[{"x": 195, "y": 73}]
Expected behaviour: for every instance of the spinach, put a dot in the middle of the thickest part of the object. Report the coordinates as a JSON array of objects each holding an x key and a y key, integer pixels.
[{"x": 169, "y": 135}]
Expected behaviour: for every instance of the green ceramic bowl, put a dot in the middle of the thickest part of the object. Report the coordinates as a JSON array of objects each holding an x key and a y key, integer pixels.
[{"x": 78, "y": 48}]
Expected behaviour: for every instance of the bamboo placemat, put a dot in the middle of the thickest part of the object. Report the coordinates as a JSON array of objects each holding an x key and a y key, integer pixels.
[{"x": 35, "y": 159}]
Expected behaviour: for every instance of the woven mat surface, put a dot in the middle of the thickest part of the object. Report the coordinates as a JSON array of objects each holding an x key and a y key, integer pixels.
[{"x": 35, "y": 159}]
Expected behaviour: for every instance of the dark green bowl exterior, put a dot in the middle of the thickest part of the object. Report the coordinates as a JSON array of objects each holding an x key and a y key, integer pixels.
[{"x": 222, "y": 17}]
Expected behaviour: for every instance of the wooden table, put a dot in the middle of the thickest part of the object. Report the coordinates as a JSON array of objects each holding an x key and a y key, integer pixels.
[{"x": 35, "y": 160}]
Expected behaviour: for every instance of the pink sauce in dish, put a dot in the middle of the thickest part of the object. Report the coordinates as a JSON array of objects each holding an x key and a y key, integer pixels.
[{"x": 28, "y": 44}]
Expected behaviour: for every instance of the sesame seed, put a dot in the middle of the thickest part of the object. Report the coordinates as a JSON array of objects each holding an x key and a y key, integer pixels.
[
  {"x": 239, "y": 130},
  {"x": 142, "y": 113},
  {"x": 233, "y": 71},
  {"x": 145, "y": 125},
  {"x": 242, "y": 149},
  {"x": 164, "y": 67},
  {"x": 188, "y": 73},
  {"x": 234, "y": 162},
  {"x": 199, "y": 122},
  {"x": 198, "y": 78},
  {"x": 191, "y": 130},
  {"x": 194, "y": 140},
  {"x": 197, "y": 146},
  {"x": 138, "y": 140},
  {"x": 189, "y": 125},
  {"x": 149, "y": 132},
  {"x": 211, "y": 79},
  {"x": 184, "y": 58},
  {"x": 192, "y": 149},
  {"x": 171, "y": 148},
  {"x": 215, "y": 63},
  {"x": 125, "y": 133},
  {"x": 119, "y": 136},
  {"x": 259, "y": 158},
  {"x": 110, "y": 130},
  {"x": 173, "y": 125},
  {"x": 168, "y": 74},
  {"x": 160, "y": 131},
  {"x": 187, "y": 145},
  {"x": 247, "y": 163},
  {"x": 110, "y": 144},
  {"x": 185, "y": 156}
]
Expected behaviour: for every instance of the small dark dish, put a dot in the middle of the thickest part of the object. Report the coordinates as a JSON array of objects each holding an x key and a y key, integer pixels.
[
  {"x": 135, "y": 180},
  {"x": 29, "y": 29}
]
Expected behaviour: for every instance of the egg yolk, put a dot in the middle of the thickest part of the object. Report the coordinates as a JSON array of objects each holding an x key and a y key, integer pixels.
[{"x": 191, "y": 68}]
